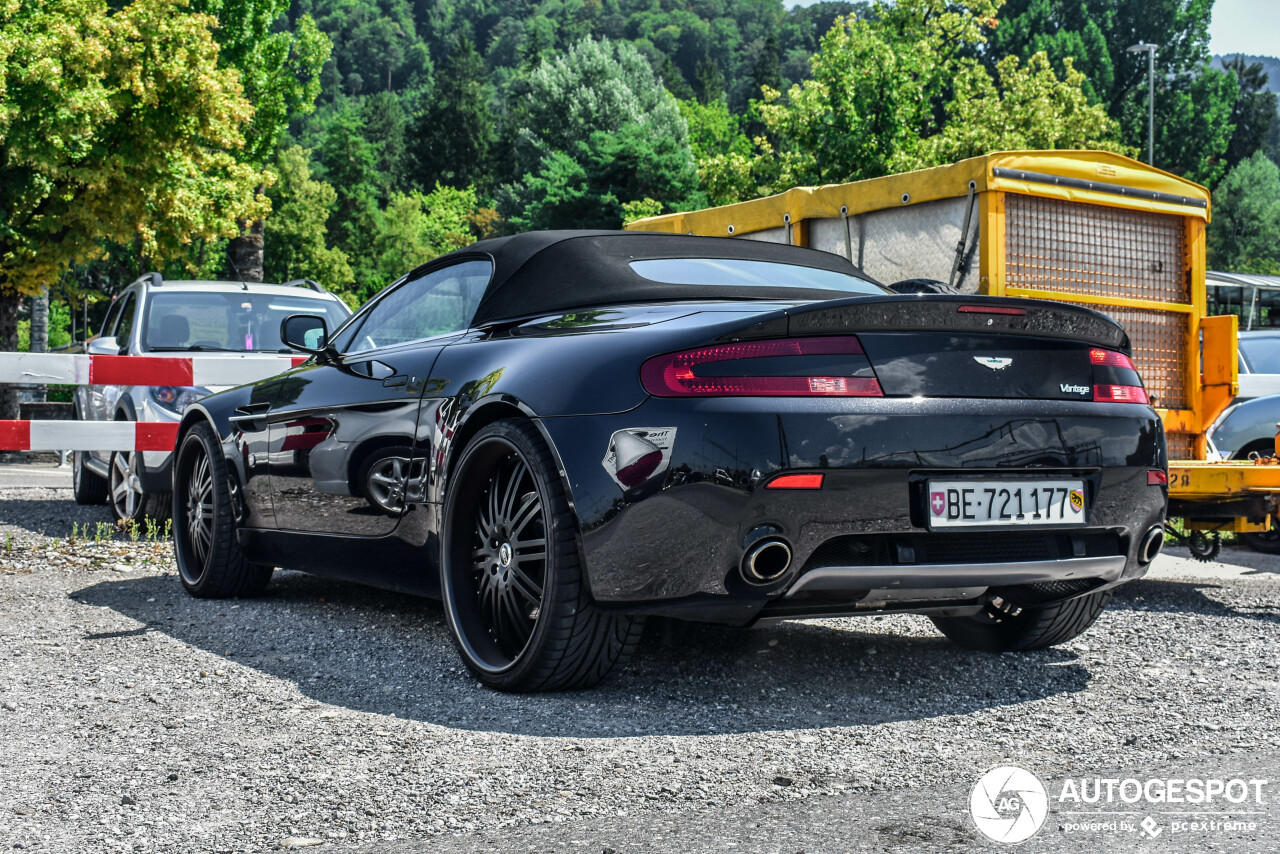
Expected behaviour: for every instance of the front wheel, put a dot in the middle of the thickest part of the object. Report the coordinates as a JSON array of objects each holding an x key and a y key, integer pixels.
[
  {"x": 205, "y": 541},
  {"x": 130, "y": 500},
  {"x": 1005, "y": 627},
  {"x": 515, "y": 595}
]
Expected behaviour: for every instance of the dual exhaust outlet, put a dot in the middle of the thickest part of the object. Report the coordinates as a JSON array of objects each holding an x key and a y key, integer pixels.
[{"x": 769, "y": 559}]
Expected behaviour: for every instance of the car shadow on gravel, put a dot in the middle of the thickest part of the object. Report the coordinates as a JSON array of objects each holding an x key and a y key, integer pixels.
[
  {"x": 1164, "y": 595},
  {"x": 53, "y": 517},
  {"x": 369, "y": 651}
]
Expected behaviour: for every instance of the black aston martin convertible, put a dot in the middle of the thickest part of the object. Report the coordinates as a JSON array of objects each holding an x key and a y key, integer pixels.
[{"x": 561, "y": 432}]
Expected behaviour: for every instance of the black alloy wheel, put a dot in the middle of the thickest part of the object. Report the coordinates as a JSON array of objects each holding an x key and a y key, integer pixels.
[
  {"x": 206, "y": 547},
  {"x": 514, "y": 592}
]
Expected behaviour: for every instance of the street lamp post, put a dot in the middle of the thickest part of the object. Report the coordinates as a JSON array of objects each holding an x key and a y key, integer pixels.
[{"x": 1150, "y": 51}]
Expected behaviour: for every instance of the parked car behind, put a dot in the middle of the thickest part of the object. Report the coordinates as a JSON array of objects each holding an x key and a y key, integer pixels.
[
  {"x": 1259, "y": 364},
  {"x": 193, "y": 318}
]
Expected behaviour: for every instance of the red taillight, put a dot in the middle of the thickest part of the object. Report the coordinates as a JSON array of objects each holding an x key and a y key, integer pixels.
[
  {"x": 1120, "y": 394},
  {"x": 1107, "y": 392},
  {"x": 672, "y": 375},
  {"x": 795, "y": 481},
  {"x": 990, "y": 309},
  {"x": 1111, "y": 358},
  {"x": 1156, "y": 477}
]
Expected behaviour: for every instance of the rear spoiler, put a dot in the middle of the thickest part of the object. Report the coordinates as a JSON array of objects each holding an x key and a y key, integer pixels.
[{"x": 946, "y": 312}]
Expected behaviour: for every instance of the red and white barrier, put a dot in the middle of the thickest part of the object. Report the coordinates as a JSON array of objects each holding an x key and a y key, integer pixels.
[
  {"x": 87, "y": 435},
  {"x": 204, "y": 370},
  {"x": 76, "y": 369}
]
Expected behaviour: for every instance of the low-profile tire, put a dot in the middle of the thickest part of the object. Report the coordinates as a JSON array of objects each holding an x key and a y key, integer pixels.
[
  {"x": 382, "y": 478},
  {"x": 1033, "y": 627},
  {"x": 87, "y": 487},
  {"x": 205, "y": 541},
  {"x": 515, "y": 595}
]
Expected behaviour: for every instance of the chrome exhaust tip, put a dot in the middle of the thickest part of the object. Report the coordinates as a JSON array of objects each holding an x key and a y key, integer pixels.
[
  {"x": 1152, "y": 543},
  {"x": 766, "y": 562}
]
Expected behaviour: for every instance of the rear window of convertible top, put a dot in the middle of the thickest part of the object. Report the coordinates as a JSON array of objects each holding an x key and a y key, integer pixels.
[{"x": 735, "y": 272}]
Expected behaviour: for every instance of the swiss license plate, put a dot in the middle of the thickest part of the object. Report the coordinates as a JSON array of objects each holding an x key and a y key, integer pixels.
[{"x": 970, "y": 503}]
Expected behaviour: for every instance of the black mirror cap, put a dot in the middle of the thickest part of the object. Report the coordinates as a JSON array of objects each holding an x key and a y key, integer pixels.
[{"x": 297, "y": 328}]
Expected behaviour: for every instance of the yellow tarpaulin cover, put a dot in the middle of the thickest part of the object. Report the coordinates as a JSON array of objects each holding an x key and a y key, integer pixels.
[{"x": 945, "y": 182}]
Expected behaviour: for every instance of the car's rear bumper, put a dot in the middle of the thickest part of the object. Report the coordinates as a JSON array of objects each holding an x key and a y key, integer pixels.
[{"x": 674, "y": 544}]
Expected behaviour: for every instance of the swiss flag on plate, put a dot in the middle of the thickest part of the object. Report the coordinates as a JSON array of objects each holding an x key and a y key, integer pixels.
[{"x": 938, "y": 503}]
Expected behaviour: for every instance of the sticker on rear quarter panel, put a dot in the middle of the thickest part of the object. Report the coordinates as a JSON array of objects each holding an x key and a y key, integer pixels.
[{"x": 638, "y": 453}]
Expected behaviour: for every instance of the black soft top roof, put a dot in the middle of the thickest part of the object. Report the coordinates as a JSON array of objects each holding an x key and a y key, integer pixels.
[{"x": 546, "y": 271}]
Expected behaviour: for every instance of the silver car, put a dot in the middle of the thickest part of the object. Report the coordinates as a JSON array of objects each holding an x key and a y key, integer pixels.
[
  {"x": 1259, "y": 363},
  {"x": 1248, "y": 426},
  {"x": 192, "y": 318}
]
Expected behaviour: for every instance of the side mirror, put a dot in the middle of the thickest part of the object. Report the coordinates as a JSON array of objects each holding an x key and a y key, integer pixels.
[
  {"x": 107, "y": 346},
  {"x": 305, "y": 332}
]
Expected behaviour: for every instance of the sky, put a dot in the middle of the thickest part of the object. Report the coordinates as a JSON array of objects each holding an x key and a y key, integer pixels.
[
  {"x": 1245, "y": 26},
  {"x": 1239, "y": 26}
]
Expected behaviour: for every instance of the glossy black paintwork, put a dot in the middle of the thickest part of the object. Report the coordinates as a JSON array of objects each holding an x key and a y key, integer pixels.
[
  {"x": 710, "y": 499},
  {"x": 671, "y": 543}
]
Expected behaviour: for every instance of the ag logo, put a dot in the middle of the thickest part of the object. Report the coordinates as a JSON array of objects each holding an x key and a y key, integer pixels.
[
  {"x": 1008, "y": 804},
  {"x": 995, "y": 363}
]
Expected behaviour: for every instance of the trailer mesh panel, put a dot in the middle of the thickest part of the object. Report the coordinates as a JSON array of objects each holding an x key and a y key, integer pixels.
[
  {"x": 1078, "y": 248},
  {"x": 1182, "y": 446}
]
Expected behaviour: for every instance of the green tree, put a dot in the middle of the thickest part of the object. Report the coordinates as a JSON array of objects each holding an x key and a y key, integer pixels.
[
  {"x": 1193, "y": 101},
  {"x": 297, "y": 236},
  {"x": 454, "y": 135},
  {"x": 599, "y": 130},
  {"x": 416, "y": 228},
  {"x": 279, "y": 70},
  {"x": 1025, "y": 107},
  {"x": 902, "y": 91},
  {"x": 279, "y": 66},
  {"x": 710, "y": 81},
  {"x": 1255, "y": 112},
  {"x": 727, "y": 171},
  {"x": 595, "y": 86},
  {"x": 376, "y": 47},
  {"x": 1244, "y": 236},
  {"x": 591, "y": 185},
  {"x": 348, "y": 163},
  {"x": 386, "y": 128},
  {"x": 118, "y": 126},
  {"x": 674, "y": 80}
]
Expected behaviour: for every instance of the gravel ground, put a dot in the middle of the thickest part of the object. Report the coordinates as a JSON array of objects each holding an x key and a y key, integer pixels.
[{"x": 135, "y": 718}]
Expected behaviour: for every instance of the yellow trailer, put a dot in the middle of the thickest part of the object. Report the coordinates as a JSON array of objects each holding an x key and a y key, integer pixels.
[{"x": 1084, "y": 227}]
